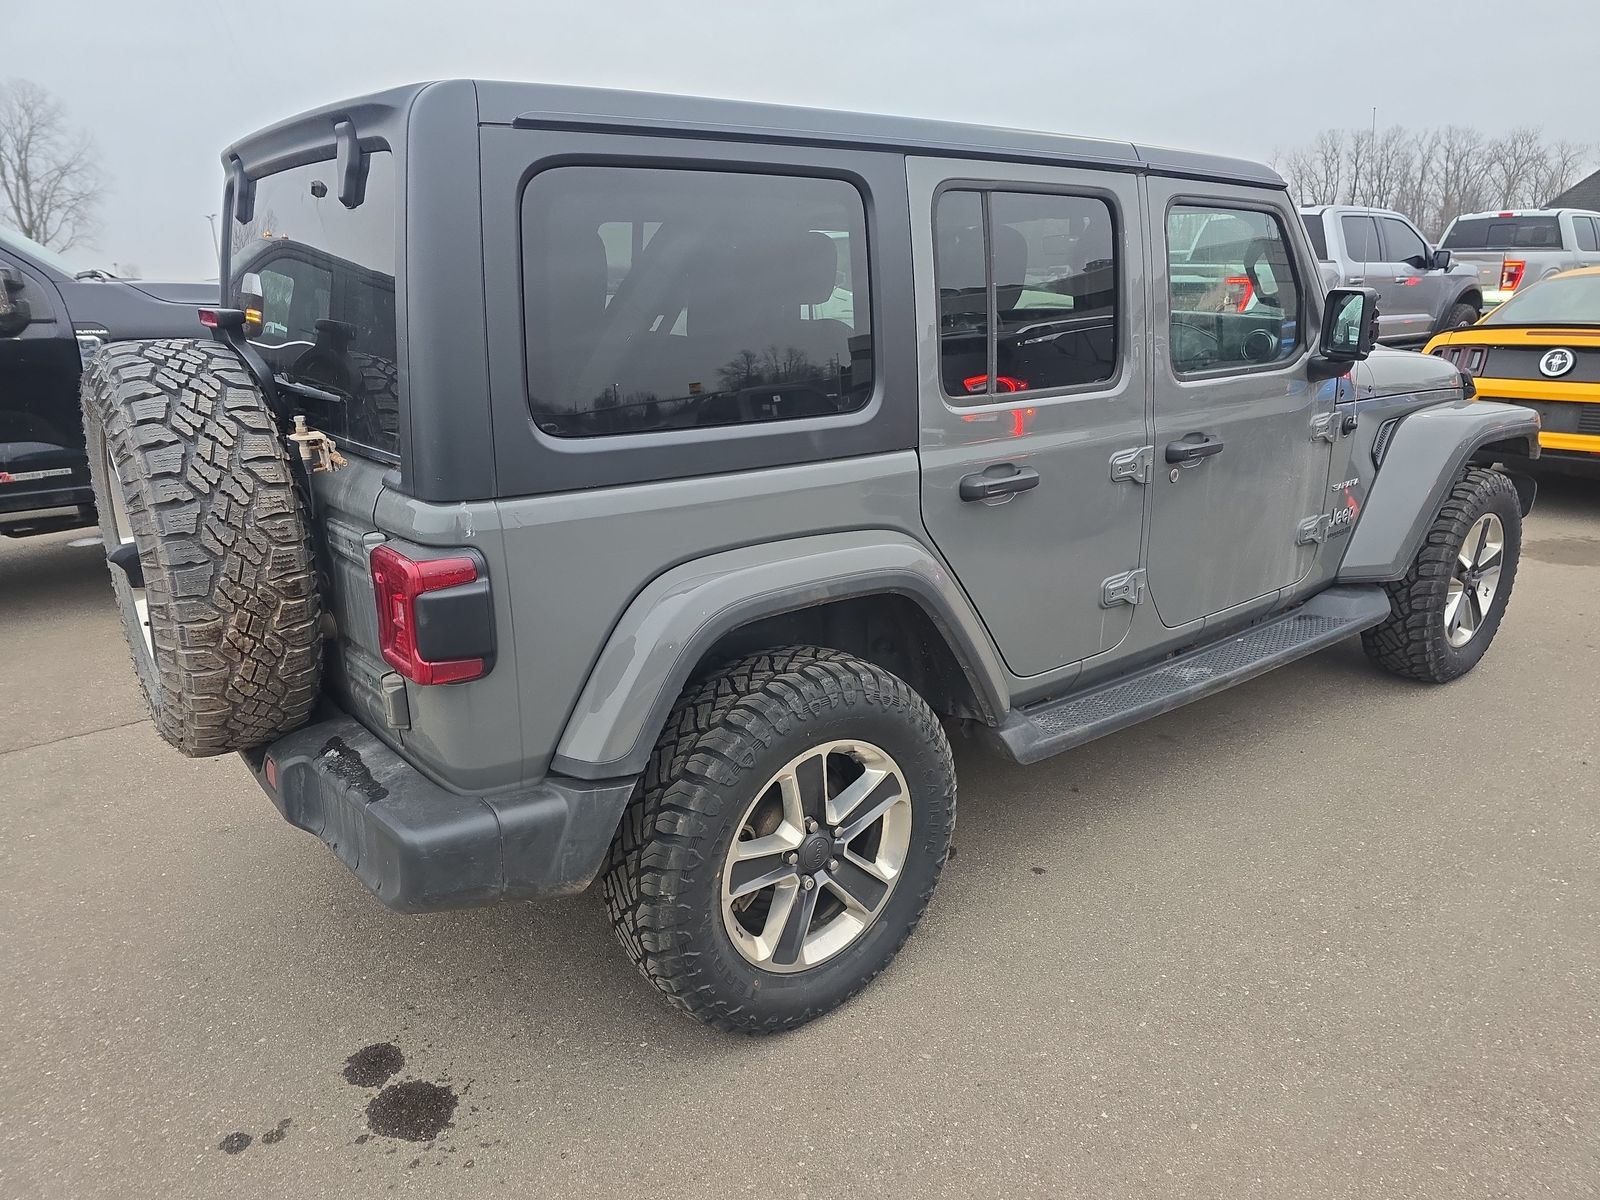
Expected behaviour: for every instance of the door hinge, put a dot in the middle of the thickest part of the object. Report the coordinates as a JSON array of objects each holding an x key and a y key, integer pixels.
[
  {"x": 1133, "y": 464},
  {"x": 1127, "y": 588},
  {"x": 1323, "y": 428},
  {"x": 1312, "y": 529}
]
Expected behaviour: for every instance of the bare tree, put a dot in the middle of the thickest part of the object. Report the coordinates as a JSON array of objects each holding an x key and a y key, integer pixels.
[
  {"x": 49, "y": 180},
  {"x": 1434, "y": 175}
]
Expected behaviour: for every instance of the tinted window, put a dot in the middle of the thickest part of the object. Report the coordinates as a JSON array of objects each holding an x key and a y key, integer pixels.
[
  {"x": 1401, "y": 242},
  {"x": 665, "y": 299},
  {"x": 327, "y": 276},
  {"x": 1049, "y": 264},
  {"x": 1562, "y": 300},
  {"x": 1361, "y": 239},
  {"x": 1238, "y": 306},
  {"x": 1504, "y": 233},
  {"x": 1318, "y": 235},
  {"x": 1584, "y": 227},
  {"x": 961, "y": 263}
]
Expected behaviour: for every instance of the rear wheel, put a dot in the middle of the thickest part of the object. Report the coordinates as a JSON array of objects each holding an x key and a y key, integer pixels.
[
  {"x": 785, "y": 839},
  {"x": 211, "y": 559},
  {"x": 1445, "y": 612}
]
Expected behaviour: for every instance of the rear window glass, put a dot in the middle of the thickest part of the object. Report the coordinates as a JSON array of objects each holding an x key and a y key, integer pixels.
[
  {"x": 1317, "y": 234},
  {"x": 327, "y": 287},
  {"x": 1563, "y": 300},
  {"x": 1504, "y": 233},
  {"x": 661, "y": 299}
]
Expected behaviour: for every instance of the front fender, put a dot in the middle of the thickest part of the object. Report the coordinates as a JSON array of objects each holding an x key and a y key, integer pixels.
[
  {"x": 1427, "y": 454},
  {"x": 676, "y": 619}
]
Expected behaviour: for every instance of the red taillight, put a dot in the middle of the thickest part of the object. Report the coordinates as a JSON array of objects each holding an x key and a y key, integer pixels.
[
  {"x": 1240, "y": 292},
  {"x": 208, "y": 317},
  {"x": 269, "y": 768},
  {"x": 1511, "y": 274},
  {"x": 397, "y": 581}
]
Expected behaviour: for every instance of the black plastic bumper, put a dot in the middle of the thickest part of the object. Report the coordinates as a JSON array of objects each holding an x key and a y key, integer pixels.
[{"x": 419, "y": 847}]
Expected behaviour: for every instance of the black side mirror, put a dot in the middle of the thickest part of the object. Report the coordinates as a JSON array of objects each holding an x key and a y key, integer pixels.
[
  {"x": 1441, "y": 260},
  {"x": 1349, "y": 331},
  {"x": 15, "y": 313}
]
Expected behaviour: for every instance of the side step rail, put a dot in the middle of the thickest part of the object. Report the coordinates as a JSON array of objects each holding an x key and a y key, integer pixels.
[{"x": 1029, "y": 734}]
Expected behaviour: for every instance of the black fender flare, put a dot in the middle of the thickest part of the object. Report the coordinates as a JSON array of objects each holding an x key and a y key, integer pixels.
[{"x": 1427, "y": 454}]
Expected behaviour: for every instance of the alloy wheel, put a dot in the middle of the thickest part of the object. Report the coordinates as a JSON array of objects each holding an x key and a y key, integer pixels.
[
  {"x": 817, "y": 856},
  {"x": 1474, "y": 580}
]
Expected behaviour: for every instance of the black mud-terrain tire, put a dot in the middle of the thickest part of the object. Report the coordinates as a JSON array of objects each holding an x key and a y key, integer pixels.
[
  {"x": 1459, "y": 317},
  {"x": 725, "y": 738},
  {"x": 1412, "y": 643},
  {"x": 204, "y": 488}
]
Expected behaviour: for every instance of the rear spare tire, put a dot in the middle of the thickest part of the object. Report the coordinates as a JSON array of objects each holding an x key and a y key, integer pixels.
[{"x": 211, "y": 557}]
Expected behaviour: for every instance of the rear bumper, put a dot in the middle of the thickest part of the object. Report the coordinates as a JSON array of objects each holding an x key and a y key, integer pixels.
[{"x": 419, "y": 847}]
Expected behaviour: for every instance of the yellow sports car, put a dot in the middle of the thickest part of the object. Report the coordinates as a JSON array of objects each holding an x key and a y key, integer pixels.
[{"x": 1540, "y": 349}]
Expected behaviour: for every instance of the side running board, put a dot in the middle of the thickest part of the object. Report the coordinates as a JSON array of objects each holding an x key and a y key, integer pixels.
[{"x": 1029, "y": 734}]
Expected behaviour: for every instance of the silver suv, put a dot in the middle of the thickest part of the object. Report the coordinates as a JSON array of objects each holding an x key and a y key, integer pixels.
[
  {"x": 589, "y": 485},
  {"x": 1421, "y": 291},
  {"x": 1509, "y": 250}
]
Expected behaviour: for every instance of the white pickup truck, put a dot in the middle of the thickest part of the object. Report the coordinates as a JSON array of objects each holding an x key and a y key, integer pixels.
[{"x": 1510, "y": 249}]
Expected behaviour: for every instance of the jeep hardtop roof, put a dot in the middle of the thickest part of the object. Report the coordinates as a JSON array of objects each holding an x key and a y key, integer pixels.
[{"x": 558, "y": 106}]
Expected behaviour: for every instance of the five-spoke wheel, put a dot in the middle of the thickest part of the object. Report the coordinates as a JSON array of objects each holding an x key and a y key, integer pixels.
[{"x": 1475, "y": 580}]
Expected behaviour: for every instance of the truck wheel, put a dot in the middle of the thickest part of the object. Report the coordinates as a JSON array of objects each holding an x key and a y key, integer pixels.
[
  {"x": 211, "y": 559},
  {"x": 785, "y": 838},
  {"x": 1445, "y": 612},
  {"x": 1459, "y": 317}
]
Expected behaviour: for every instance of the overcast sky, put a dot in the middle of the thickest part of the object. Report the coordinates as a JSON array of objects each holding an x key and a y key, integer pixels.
[{"x": 164, "y": 85}]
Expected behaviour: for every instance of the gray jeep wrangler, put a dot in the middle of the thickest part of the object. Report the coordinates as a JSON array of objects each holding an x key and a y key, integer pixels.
[{"x": 588, "y": 485}]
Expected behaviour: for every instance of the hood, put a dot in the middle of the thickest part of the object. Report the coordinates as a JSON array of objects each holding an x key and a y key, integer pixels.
[
  {"x": 1389, "y": 372},
  {"x": 119, "y": 309},
  {"x": 178, "y": 293}
]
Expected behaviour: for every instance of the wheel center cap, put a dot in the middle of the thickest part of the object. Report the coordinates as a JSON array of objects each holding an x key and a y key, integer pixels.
[{"x": 814, "y": 853}]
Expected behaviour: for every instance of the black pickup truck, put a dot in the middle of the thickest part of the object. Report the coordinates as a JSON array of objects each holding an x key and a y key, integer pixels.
[{"x": 52, "y": 321}]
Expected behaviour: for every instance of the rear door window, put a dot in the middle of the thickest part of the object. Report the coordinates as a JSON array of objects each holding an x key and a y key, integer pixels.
[
  {"x": 1584, "y": 227},
  {"x": 1361, "y": 239},
  {"x": 327, "y": 282},
  {"x": 1037, "y": 269},
  {"x": 661, "y": 299}
]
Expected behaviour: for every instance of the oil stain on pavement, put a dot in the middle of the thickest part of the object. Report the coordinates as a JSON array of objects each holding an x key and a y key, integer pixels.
[
  {"x": 415, "y": 1111},
  {"x": 372, "y": 1066}
]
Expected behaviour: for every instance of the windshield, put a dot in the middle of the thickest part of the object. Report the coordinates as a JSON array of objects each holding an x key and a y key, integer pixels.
[
  {"x": 28, "y": 248},
  {"x": 1504, "y": 233},
  {"x": 1562, "y": 300}
]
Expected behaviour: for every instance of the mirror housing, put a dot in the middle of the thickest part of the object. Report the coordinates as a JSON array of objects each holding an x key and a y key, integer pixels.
[
  {"x": 1441, "y": 260},
  {"x": 1349, "y": 331},
  {"x": 248, "y": 300},
  {"x": 15, "y": 312}
]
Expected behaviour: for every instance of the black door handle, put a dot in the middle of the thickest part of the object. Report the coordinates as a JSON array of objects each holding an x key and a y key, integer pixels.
[
  {"x": 1187, "y": 451},
  {"x": 986, "y": 487}
]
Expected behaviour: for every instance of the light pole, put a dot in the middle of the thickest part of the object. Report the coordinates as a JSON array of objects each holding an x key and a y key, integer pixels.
[{"x": 215, "y": 244}]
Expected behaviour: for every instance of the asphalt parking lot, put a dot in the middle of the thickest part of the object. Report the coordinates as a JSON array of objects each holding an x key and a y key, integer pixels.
[{"x": 1328, "y": 934}]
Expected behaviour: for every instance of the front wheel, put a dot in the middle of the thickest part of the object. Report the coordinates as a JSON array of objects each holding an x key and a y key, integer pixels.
[
  {"x": 1445, "y": 612},
  {"x": 785, "y": 839}
]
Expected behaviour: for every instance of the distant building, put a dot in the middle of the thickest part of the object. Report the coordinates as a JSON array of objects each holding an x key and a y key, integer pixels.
[{"x": 1583, "y": 194}]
